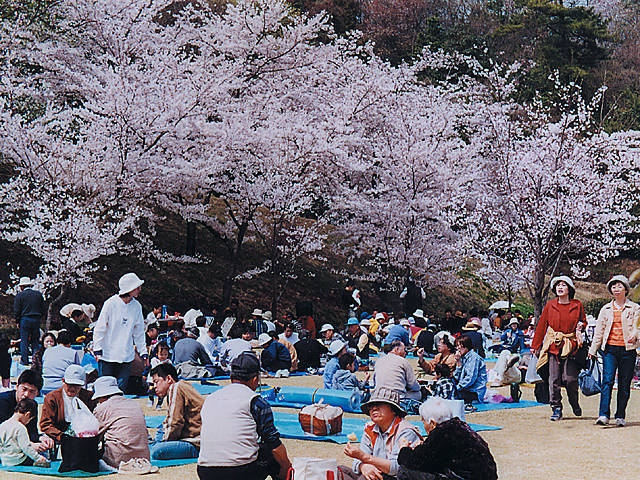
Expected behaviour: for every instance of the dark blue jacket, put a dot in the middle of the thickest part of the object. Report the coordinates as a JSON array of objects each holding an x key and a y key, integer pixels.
[
  {"x": 28, "y": 303},
  {"x": 275, "y": 357}
]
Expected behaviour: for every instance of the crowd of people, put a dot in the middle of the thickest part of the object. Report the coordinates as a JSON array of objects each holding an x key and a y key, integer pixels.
[{"x": 126, "y": 351}]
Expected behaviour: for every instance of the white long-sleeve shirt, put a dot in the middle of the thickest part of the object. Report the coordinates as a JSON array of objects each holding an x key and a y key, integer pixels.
[{"x": 119, "y": 328}]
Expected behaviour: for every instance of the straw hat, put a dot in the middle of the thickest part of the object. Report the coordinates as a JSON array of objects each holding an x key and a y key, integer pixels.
[
  {"x": 25, "y": 282},
  {"x": 257, "y": 312}
]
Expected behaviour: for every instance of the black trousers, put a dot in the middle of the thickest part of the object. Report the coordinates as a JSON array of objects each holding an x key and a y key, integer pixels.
[{"x": 243, "y": 472}]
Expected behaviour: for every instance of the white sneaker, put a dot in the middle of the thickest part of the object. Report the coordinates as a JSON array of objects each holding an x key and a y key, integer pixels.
[
  {"x": 602, "y": 420},
  {"x": 620, "y": 422},
  {"x": 137, "y": 466}
]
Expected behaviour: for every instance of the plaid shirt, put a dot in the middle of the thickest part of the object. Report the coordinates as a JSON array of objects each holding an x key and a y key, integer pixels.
[{"x": 445, "y": 388}]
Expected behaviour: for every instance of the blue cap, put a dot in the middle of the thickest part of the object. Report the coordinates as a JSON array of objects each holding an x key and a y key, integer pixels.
[
  {"x": 365, "y": 316},
  {"x": 353, "y": 321}
]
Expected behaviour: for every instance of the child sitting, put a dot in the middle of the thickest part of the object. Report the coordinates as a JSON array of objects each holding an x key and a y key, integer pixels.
[
  {"x": 344, "y": 378},
  {"x": 15, "y": 446},
  {"x": 161, "y": 356},
  {"x": 444, "y": 387}
]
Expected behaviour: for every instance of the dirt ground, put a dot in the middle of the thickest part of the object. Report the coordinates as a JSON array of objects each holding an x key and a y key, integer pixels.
[{"x": 528, "y": 446}]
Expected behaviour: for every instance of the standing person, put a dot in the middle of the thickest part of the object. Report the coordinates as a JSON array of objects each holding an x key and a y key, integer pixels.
[
  {"x": 413, "y": 296},
  {"x": 617, "y": 334},
  {"x": 238, "y": 433},
  {"x": 555, "y": 342},
  {"x": 351, "y": 298},
  {"x": 120, "y": 329},
  {"x": 28, "y": 308}
]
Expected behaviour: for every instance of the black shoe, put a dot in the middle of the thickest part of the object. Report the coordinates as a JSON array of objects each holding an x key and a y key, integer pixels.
[
  {"x": 516, "y": 393},
  {"x": 556, "y": 415},
  {"x": 577, "y": 411}
]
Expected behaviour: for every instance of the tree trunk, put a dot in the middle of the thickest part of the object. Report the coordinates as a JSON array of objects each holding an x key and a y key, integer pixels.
[
  {"x": 191, "y": 238},
  {"x": 53, "y": 307},
  {"x": 538, "y": 291}
]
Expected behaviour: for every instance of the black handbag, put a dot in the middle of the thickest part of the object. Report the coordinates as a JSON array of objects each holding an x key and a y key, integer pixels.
[{"x": 79, "y": 453}]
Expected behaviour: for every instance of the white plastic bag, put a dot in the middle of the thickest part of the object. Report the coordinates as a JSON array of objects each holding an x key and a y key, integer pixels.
[
  {"x": 532, "y": 374},
  {"x": 84, "y": 424},
  {"x": 309, "y": 468}
]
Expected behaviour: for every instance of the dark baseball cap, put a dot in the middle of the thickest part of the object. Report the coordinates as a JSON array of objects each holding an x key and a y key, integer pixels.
[{"x": 245, "y": 366}]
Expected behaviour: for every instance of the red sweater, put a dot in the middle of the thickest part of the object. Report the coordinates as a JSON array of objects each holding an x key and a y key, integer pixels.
[{"x": 562, "y": 318}]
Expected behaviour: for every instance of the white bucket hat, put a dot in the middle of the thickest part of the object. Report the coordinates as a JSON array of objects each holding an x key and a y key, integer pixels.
[
  {"x": 418, "y": 313},
  {"x": 257, "y": 312},
  {"x": 128, "y": 283},
  {"x": 89, "y": 310},
  {"x": 267, "y": 316},
  {"x": 75, "y": 375},
  {"x": 264, "y": 338},
  {"x": 335, "y": 347},
  {"x": 25, "y": 282},
  {"x": 619, "y": 278},
  {"x": 326, "y": 327},
  {"x": 69, "y": 308},
  {"x": 105, "y": 387},
  {"x": 561, "y": 278}
]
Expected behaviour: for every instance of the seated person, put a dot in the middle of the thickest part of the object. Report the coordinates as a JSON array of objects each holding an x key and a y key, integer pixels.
[
  {"x": 56, "y": 360},
  {"x": 72, "y": 324},
  {"x": 399, "y": 332},
  {"x": 445, "y": 387},
  {"x": 328, "y": 335},
  {"x": 29, "y": 385},
  {"x": 470, "y": 374},
  {"x": 292, "y": 351},
  {"x": 512, "y": 338},
  {"x": 309, "y": 351},
  {"x": 506, "y": 370},
  {"x": 336, "y": 350},
  {"x": 426, "y": 340},
  {"x": 289, "y": 334},
  {"x": 122, "y": 424},
  {"x": 161, "y": 356},
  {"x": 274, "y": 356},
  {"x": 211, "y": 343},
  {"x": 189, "y": 350},
  {"x": 394, "y": 371},
  {"x": 63, "y": 404},
  {"x": 345, "y": 378},
  {"x": 179, "y": 435},
  {"x": 15, "y": 447},
  {"x": 240, "y": 342},
  {"x": 382, "y": 438},
  {"x": 446, "y": 354},
  {"x": 450, "y": 450}
]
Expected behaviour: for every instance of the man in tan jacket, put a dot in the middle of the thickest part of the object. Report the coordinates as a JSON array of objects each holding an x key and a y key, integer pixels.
[{"x": 179, "y": 436}]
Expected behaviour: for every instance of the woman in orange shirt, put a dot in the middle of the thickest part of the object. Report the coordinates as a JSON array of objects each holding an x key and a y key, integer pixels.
[{"x": 616, "y": 336}]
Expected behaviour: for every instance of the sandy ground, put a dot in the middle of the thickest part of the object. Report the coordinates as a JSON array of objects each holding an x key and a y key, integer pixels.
[{"x": 529, "y": 446}]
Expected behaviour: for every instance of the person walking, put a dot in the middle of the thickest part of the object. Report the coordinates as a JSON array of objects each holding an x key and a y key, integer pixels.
[
  {"x": 119, "y": 330},
  {"x": 616, "y": 338},
  {"x": 29, "y": 309},
  {"x": 556, "y": 342}
]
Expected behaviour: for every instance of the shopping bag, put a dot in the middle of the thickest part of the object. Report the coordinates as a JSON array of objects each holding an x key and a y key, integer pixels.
[
  {"x": 309, "y": 468},
  {"x": 532, "y": 374},
  {"x": 79, "y": 453},
  {"x": 590, "y": 379}
]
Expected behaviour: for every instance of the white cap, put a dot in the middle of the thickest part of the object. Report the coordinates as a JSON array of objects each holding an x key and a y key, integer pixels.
[
  {"x": 264, "y": 338},
  {"x": 128, "y": 283},
  {"x": 335, "y": 347},
  {"x": 75, "y": 375},
  {"x": 325, "y": 327},
  {"x": 105, "y": 387}
]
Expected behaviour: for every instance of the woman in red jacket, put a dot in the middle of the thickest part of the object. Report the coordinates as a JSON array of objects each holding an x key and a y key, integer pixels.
[{"x": 556, "y": 341}]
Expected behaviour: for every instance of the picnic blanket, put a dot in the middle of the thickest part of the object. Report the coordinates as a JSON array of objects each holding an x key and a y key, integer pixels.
[
  {"x": 53, "y": 469},
  {"x": 289, "y": 427},
  {"x": 485, "y": 407}
]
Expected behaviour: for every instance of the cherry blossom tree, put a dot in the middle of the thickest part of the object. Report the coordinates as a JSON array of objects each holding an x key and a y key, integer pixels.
[{"x": 554, "y": 190}]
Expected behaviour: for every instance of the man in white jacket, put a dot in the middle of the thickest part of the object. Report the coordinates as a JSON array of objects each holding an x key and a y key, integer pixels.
[{"x": 119, "y": 330}]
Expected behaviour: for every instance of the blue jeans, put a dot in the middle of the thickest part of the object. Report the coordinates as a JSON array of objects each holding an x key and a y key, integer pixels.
[
  {"x": 119, "y": 370},
  {"x": 624, "y": 361},
  {"x": 29, "y": 337},
  {"x": 171, "y": 449}
]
